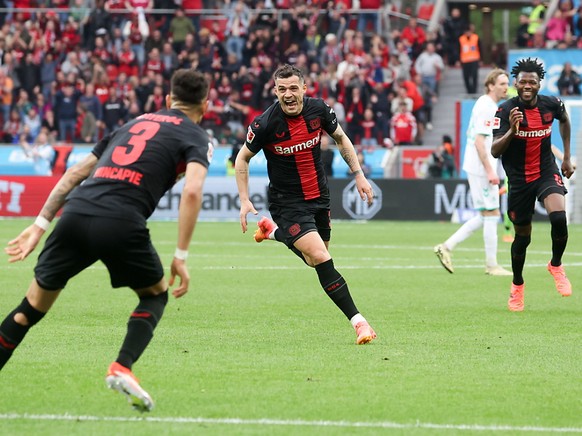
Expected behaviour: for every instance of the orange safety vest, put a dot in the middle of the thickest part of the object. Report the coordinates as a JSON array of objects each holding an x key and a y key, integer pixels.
[{"x": 469, "y": 48}]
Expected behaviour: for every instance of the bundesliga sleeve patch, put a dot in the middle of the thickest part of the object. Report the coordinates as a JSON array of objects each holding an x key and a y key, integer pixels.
[
  {"x": 250, "y": 135},
  {"x": 496, "y": 123}
]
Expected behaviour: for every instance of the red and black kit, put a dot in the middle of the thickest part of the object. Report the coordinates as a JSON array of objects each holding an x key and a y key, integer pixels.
[{"x": 528, "y": 160}]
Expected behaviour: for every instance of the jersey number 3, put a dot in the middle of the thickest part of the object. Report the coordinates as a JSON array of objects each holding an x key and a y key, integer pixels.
[{"x": 142, "y": 131}]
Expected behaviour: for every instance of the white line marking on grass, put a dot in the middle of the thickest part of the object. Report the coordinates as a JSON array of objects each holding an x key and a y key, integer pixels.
[{"x": 290, "y": 422}]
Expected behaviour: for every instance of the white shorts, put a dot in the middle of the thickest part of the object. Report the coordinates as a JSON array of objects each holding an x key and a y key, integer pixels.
[{"x": 485, "y": 195}]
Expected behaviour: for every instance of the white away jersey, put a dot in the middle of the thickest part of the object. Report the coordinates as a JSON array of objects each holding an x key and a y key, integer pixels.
[{"x": 482, "y": 122}]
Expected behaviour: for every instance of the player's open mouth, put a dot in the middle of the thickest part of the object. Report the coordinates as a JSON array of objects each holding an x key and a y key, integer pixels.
[{"x": 291, "y": 104}]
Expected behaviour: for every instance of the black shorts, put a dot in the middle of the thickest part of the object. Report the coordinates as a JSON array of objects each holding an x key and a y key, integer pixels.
[
  {"x": 522, "y": 197},
  {"x": 298, "y": 218},
  {"x": 78, "y": 241}
]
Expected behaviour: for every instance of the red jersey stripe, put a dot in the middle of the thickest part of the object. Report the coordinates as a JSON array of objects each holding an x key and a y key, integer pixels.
[
  {"x": 533, "y": 146},
  {"x": 304, "y": 160}
]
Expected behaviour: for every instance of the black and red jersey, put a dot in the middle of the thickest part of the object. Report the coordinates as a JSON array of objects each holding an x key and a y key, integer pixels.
[
  {"x": 529, "y": 155},
  {"x": 138, "y": 163},
  {"x": 292, "y": 148}
]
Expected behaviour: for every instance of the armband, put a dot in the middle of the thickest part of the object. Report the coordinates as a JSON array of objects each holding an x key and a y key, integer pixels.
[
  {"x": 42, "y": 222},
  {"x": 181, "y": 254}
]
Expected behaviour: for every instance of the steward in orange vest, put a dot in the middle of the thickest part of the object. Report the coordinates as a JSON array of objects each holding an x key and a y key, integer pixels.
[
  {"x": 469, "y": 43},
  {"x": 470, "y": 55}
]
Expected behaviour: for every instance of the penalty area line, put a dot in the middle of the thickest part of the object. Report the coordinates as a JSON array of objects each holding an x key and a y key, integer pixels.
[{"x": 284, "y": 422}]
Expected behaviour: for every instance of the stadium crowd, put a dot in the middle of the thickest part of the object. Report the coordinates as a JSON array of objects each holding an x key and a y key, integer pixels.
[{"x": 77, "y": 70}]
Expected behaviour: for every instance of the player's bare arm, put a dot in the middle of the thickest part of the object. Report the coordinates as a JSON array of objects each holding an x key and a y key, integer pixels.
[
  {"x": 21, "y": 246},
  {"x": 501, "y": 143},
  {"x": 565, "y": 132},
  {"x": 190, "y": 205},
  {"x": 241, "y": 171},
  {"x": 348, "y": 154},
  {"x": 484, "y": 159}
]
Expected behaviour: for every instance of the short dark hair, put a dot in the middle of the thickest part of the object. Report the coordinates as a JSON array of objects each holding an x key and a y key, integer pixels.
[
  {"x": 189, "y": 86},
  {"x": 286, "y": 71},
  {"x": 529, "y": 65}
]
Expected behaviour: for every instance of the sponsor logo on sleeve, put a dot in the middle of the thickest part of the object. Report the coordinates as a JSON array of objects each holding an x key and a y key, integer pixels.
[{"x": 250, "y": 135}]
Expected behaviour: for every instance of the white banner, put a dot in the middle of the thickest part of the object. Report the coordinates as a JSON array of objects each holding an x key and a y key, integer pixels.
[{"x": 220, "y": 200}]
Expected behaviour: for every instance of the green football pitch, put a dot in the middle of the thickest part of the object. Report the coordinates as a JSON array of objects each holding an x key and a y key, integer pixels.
[{"x": 256, "y": 347}]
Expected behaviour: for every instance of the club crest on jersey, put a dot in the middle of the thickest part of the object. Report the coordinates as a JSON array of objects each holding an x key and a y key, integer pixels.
[
  {"x": 250, "y": 135},
  {"x": 315, "y": 124},
  {"x": 547, "y": 117}
]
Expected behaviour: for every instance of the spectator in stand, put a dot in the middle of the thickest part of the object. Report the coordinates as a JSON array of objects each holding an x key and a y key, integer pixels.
[
  {"x": 523, "y": 38},
  {"x": 453, "y": 28},
  {"x": 470, "y": 58},
  {"x": 114, "y": 112},
  {"x": 29, "y": 74},
  {"x": 137, "y": 30},
  {"x": 155, "y": 101},
  {"x": 169, "y": 60},
  {"x": 33, "y": 122},
  {"x": 154, "y": 63},
  {"x": 41, "y": 152},
  {"x": 212, "y": 119},
  {"x": 429, "y": 65},
  {"x": 569, "y": 81},
  {"x": 403, "y": 128},
  {"x": 415, "y": 36},
  {"x": 237, "y": 27},
  {"x": 86, "y": 129},
  {"x": 91, "y": 101},
  {"x": 66, "y": 111},
  {"x": 49, "y": 125},
  {"x": 155, "y": 40},
  {"x": 556, "y": 29},
  {"x": 41, "y": 105},
  {"x": 331, "y": 52},
  {"x": 23, "y": 104},
  {"x": 180, "y": 26},
  {"x": 48, "y": 73},
  {"x": 98, "y": 22},
  {"x": 12, "y": 127},
  {"x": 536, "y": 17},
  {"x": 370, "y": 131},
  {"x": 6, "y": 96},
  {"x": 355, "y": 115}
]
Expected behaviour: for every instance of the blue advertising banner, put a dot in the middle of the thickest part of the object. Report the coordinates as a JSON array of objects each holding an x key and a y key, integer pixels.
[{"x": 553, "y": 61}]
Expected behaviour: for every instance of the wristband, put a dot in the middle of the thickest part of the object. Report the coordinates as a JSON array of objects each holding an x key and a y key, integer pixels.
[
  {"x": 181, "y": 254},
  {"x": 42, "y": 222},
  {"x": 355, "y": 173}
]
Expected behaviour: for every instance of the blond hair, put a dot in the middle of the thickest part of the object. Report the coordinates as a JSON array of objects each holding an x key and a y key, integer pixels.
[{"x": 492, "y": 77}]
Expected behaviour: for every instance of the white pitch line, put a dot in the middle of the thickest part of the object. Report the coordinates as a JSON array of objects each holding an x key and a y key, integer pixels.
[{"x": 290, "y": 422}]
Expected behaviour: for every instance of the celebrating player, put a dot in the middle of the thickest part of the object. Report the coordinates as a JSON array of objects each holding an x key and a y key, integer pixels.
[
  {"x": 105, "y": 219},
  {"x": 289, "y": 132},
  {"x": 523, "y": 140}
]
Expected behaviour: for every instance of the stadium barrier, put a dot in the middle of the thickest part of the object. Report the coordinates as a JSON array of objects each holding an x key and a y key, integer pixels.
[{"x": 396, "y": 199}]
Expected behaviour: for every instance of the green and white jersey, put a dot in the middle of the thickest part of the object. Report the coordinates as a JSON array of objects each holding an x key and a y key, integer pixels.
[{"x": 482, "y": 122}]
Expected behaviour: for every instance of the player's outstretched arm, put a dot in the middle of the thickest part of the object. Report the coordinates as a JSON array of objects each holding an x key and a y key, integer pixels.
[
  {"x": 241, "y": 168},
  {"x": 565, "y": 132},
  {"x": 21, "y": 246},
  {"x": 190, "y": 204},
  {"x": 348, "y": 153}
]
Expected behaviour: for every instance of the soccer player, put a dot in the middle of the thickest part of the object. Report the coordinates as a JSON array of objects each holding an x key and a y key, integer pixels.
[
  {"x": 105, "y": 219},
  {"x": 523, "y": 140},
  {"x": 481, "y": 169},
  {"x": 289, "y": 133}
]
